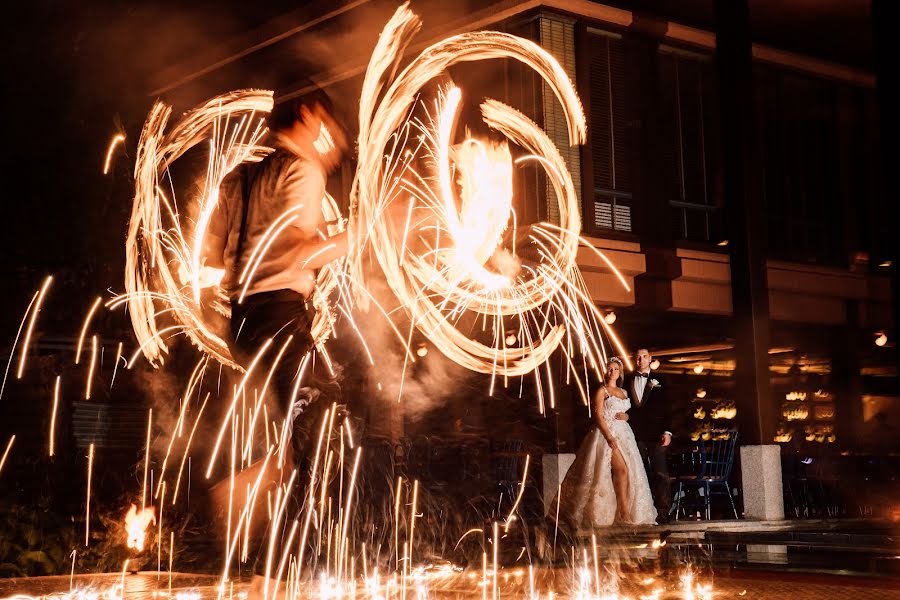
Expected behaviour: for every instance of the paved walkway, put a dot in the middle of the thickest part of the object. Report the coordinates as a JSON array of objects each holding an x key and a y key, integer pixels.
[{"x": 511, "y": 584}]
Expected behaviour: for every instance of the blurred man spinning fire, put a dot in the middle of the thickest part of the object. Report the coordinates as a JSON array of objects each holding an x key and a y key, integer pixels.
[{"x": 274, "y": 305}]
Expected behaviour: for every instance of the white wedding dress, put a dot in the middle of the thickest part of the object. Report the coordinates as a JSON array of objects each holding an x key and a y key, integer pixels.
[{"x": 587, "y": 497}]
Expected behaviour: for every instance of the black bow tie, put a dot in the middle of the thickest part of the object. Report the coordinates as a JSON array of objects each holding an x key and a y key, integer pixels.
[{"x": 644, "y": 375}]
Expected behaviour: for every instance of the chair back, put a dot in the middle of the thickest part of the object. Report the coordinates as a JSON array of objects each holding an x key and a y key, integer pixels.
[
  {"x": 718, "y": 455},
  {"x": 506, "y": 457}
]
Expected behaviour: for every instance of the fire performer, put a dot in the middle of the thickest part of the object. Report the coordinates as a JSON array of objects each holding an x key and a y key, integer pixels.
[{"x": 275, "y": 305}]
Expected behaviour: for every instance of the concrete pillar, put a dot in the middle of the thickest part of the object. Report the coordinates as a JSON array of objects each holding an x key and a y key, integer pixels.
[
  {"x": 745, "y": 222},
  {"x": 886, "y": 73},
  {"x": 761, "y": 482}
]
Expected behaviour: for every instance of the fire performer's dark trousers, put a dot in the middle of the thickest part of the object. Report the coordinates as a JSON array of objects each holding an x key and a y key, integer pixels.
[
  {"x": 281, "y": 316},
  {"x": 655, "y": 457}
]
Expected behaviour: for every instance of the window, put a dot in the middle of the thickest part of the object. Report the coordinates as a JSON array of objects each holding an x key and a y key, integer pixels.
[
  {"x": 691, "y": 172},
  {"x": 607, "y": 133},
  {"x": 797, "y": 117}
]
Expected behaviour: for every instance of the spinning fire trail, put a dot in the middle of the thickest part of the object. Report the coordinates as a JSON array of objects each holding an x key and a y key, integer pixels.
[
  {"x": 496, "y": 297},
  {"x": 453, "y": 261}
]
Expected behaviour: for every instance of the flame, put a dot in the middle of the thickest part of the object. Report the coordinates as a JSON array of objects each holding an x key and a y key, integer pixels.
[{"x": 136, "y": 524}]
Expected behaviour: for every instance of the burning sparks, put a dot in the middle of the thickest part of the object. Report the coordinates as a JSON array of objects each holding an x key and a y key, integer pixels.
[
  {"x": 117, "y": 139},
  {"x": 90, "y": 376},
  {"x": 6, "y": 452},
  {"x": 84, "y": 328},
  {"x": 494, "y": 297},
  {"x": 147, "y": 459},
  {"x": 449, "y": 265},
  {"x": 87, "y": 504},
  {"x": 136, "y": 524},
  {"x": 52, "y": 436},
  {"x": 35, "y": 310}
]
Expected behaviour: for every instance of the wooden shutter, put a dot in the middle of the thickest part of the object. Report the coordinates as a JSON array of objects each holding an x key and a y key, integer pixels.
[
  {"x": 558, "y": 37},
  {"x": 607, "y": 131},
  {"x": 686, "y": 83}
]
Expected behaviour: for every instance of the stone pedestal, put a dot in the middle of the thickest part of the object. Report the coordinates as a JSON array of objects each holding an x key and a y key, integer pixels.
[
  {"x": 555, "y": 468},
  {"x": 772, "y": 554},
  {"x": 761, "y": 482}
]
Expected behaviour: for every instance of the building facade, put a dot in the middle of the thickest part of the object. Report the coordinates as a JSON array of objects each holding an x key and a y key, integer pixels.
[{"x": 733, "y": 172}]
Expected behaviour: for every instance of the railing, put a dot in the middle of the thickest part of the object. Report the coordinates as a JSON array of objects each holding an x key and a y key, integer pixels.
[{"x": 696, "y": 222}]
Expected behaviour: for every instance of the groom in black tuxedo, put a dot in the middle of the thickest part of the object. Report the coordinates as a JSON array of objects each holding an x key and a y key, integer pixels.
[{"x": 651, "y": 421}]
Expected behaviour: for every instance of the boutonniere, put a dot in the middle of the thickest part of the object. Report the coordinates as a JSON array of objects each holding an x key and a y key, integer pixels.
[{"x": 654, "y": 384}]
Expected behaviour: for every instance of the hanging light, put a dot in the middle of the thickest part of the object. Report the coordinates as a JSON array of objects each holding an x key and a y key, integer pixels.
[
  {"x": 698, "y": 369},
  {"x": 511, "y": 339},
  {"x": 701, "y": 393},
  {"x": 654, "y": 364},
  {"x": 610, "y": 318},
  {"x": 422, "y": 350},
  {"x": 881, "y": 339}
]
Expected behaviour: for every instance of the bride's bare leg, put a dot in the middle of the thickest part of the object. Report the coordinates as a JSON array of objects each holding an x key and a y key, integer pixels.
[{"x": 620, "y": 484}]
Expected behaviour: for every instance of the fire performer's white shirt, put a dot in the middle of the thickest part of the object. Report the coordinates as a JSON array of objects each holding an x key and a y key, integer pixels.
[{"x": 287, "y": 187}]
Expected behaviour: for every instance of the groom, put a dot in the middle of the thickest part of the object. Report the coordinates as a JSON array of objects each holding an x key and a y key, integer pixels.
[{"x": 651, "y": 418}]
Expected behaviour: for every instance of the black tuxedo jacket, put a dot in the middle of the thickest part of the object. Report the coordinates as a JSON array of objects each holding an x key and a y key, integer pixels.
[{"x": 650, "y": 414}]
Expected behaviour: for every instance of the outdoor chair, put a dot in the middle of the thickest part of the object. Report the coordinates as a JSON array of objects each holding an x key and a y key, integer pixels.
[
  {"x": 714, "y": 460},
  {"x": 506, "y": 458}
]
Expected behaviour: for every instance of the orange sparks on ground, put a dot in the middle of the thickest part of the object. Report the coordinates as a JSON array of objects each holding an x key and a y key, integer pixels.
[
  {"x": 117, "y": 139},
  {"x": 136, "y": 524}
]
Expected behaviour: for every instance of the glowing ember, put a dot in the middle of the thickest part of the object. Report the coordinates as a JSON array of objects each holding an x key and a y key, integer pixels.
[
  {"x": 136, "y": 524},
  {"x": 9, "y": 445},
  {"x": 117, "y": 139}
]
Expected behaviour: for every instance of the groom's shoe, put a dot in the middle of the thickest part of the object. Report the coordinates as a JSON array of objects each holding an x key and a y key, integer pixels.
[{"x": 662, "y": 517}]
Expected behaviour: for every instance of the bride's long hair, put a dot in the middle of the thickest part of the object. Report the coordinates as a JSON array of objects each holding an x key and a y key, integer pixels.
[{"x": 615, "y": 360}]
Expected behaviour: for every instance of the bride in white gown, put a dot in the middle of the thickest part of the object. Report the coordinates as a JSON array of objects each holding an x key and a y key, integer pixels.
[{"x": 607, "y": 483}]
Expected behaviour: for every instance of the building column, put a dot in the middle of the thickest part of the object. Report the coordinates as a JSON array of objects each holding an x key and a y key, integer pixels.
[
  {"x": 847, "y": 381},
  {"x": 652, "y": 214},
  {"x": 886, "y": 72},
  {"x": 745, "y": 222}
]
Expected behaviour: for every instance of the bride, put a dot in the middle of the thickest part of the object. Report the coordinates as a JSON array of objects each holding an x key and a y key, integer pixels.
[{"x": 607, "y": 483}]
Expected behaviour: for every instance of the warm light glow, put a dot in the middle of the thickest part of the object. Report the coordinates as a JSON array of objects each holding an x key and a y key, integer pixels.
[
  {"x": 654, "y": 364},
  {"x": 726, "y": 411},
  {"x": 610, "y": 317},
  {"x": 701, "y": 393},
  {"x": 136, "y": 524},
  {"x": 698, "y": 369},
  {"x": 422, "y": 350},
  {"x": 881, "y": 339},
  {"x": 799, "y": 412}
]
